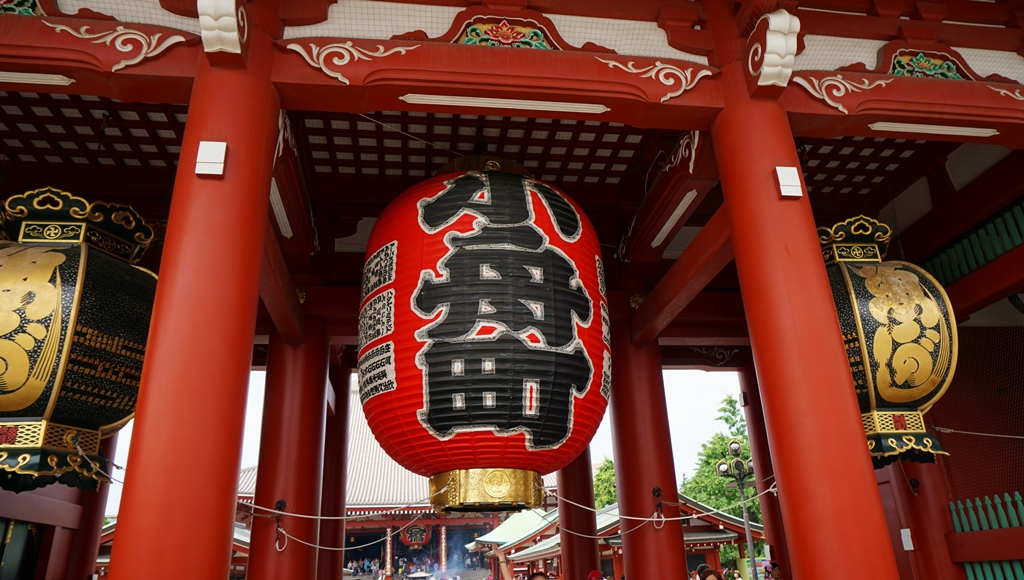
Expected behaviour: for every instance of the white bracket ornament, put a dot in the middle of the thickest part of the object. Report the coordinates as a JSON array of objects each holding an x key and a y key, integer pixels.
[
  {"x": 330, "y": 57},
  {"x": 225, "y": 29},
  {"x": 124, "y": 40},
  {"x": 686, "y": 148},
  {"x": 834, "y": 87},
  {"x": 771, "y": 53},
  {"x": 666, "y": 74}
]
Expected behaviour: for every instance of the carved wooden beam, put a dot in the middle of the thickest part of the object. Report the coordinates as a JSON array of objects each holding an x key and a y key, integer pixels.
[
  {"x": 681, "y": 185},
  {"x": 709, "y": 252},
  {"x": 278, "y": 292}
]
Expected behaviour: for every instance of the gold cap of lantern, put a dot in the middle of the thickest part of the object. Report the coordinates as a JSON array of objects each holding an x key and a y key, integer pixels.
[
  {"x": 486, "y": 490},
  {"x": 900, "y": 337}
]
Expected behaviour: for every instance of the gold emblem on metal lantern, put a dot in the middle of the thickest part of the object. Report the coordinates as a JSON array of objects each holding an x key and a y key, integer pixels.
[{"x": 900, "y": 338}]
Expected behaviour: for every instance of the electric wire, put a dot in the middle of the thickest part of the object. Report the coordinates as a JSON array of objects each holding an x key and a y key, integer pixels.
[
  {"x": 947, "y": 430},
  {"x": 397, "y": 130},
  {"x": 281, "y": 546},
  {"x": 278, "y": 513}
]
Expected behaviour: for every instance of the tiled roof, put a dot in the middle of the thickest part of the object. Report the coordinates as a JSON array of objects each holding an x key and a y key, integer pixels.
[
  {"x": 517, "y": 528},
  {"x": 374, "y": 479}
]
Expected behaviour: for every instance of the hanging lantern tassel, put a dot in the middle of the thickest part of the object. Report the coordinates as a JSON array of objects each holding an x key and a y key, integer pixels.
[{"x": 900, "y": 338}]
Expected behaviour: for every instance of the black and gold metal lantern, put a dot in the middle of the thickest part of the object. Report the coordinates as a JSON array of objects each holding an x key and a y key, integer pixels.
[
  {"x": 900, "y": 337},
  {"x": 74, "y": 317}
]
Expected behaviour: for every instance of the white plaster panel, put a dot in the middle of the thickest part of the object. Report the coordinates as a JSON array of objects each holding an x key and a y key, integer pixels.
[
  {"x": 378, "y": 20},
  {"x": 908, "y": 207},
  {"x": 970, "y": 160},
  {"x": 382, "y": 20},
  {"x": 834, "y": 52},
  {"x": 986, "y": 62},
  {"x": 136, "y": 11},
  {"x": 626, "y": 37}
]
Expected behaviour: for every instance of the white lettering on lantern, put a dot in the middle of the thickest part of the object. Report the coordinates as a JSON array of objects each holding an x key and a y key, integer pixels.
[
  {"x": 379, "y": 270},
  {"x": 377, "y": 371},
  {"x": 377, "y": 318}
]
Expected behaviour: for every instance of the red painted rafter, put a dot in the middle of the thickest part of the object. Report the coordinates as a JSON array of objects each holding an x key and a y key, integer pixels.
[
  {"x": 278, "y": 292},
  {"x": 705, "y": 257},
  {"x": 981, "y": 198},
  {"x": 992, "y": 282}
]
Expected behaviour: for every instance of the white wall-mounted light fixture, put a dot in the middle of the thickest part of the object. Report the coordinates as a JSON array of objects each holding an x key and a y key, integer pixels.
[
  {"x": 933, "y": 129},
  {"x": 210, "y": 158},
  {"x": 520, "y": 104},
  {"x": 789, "y": 181}
]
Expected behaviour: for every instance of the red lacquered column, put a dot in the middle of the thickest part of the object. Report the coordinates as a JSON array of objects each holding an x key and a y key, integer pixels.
[
  {"x": 187, "y": 438},
  {"x": 929, "y": 517},
  {"x": 332, "y": 532},
  {"x": 813, "y": 423},
  {"x": 771, "y": 515},
  {"x": 291, "y": 455},
  {"x": 643, "y": 453},
  {"x": 86, "y": 544},
  {"x": 576, "y": 484}
]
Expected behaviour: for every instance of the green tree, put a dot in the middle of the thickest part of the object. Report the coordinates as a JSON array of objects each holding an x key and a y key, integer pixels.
[
  {"x": 604, "y": 485},
  {"x": 707, "y": 487}
]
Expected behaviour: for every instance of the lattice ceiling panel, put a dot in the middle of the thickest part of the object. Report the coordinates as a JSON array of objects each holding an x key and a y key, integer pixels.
[
  {"x": 86, "y": 130},
  {"x": 863, "y": 174},
  {"x": 401, "y": 144}
]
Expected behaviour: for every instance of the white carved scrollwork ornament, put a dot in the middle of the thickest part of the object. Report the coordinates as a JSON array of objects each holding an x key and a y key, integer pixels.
[
  {"x": 666, "y": 74},
  {"x": 685, "y": 149},
  {"x": 1013, "y": 95},
  {"x": 224, "y": 25},
  {"x": 284, "y": 133},
  {"x": 772, "y": 63},
  {"x": 831, "y": 88},
  {"x": 331, "y": 57},
  {"x": 124, "y": 40}
]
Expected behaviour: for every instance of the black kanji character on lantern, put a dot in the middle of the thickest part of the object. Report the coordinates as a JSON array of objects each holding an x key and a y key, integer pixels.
[
  {"x": 503, "y": 355},
  {"x": 514, "y": 288},
  {"x": 486, "y": 384}
]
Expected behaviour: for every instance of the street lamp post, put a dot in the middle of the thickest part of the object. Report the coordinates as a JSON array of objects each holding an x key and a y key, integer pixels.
[{"x": 738, "y": 470}]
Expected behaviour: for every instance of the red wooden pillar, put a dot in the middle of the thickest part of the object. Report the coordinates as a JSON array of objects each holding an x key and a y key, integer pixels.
[
  {"x": 191, "y": 405},
  {"x": 771, "y": 515},
  {"x": 86, "y": 544},
  {"x": 818, "y": 450},
  {"x": 929, "y": 519},
  {"x": 576, "y": 484},
  {"x": 618, "y": 566},
  {"x": 332, "y": 532},
  {"x": 291, "y": 455},
  {"x": 643, "y": 453}
]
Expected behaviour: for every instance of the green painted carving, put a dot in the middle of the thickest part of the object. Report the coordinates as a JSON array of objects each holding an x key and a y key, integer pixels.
[
  {"x": 925, "y": 66},
  {"x": 505, "y": 35},
  {"x": 23, "y": 7}
]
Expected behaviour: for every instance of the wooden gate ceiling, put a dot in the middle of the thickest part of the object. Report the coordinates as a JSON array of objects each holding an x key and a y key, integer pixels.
[
  {"x": 354, "y": 165},
  {"x": 847, "y": 110}
]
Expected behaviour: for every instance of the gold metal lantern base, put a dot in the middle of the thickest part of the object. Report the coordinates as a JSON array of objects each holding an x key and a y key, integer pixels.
[{"x": 486, "y": 489}]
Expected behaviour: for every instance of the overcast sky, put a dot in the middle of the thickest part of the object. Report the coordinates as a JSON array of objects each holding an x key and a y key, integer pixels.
[{"x": 693, "y": 398}]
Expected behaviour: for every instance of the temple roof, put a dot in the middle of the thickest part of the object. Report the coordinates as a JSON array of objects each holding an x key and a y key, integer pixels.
[{"x": 375, "y": 480}]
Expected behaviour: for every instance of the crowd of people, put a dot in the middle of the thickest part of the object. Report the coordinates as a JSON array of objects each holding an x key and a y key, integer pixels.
[{"x": 705, "y": 572}]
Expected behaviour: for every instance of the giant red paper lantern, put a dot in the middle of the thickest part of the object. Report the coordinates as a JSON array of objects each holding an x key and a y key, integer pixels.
[{"x": 484, "y": 346}]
